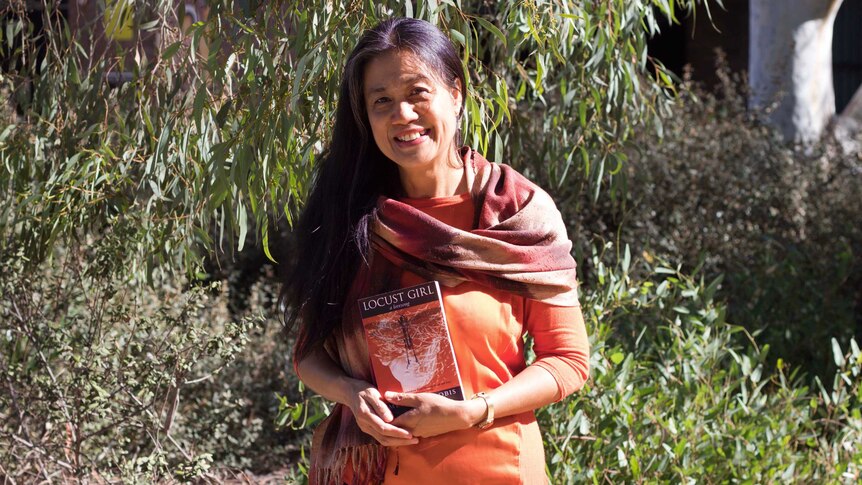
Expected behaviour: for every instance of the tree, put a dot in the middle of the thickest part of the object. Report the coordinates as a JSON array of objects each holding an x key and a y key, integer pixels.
[
  {"x": 201, "y": 146},
  {"x": 790, "y": 67}
]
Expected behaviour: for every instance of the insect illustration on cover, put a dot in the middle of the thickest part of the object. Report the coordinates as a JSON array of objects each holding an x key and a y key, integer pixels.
[{"x": 408, "y": 342}]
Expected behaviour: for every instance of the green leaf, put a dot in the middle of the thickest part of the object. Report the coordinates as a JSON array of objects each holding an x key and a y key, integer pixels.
[
  {"x": 458, "y": 36},
  {"x": 493, "y": 29},
  {"x": 265, "y": 238},
  {"x": 837, "y": 354},
  {"x": 171, "y": 49},
  {"x": 242, "y": 222}
]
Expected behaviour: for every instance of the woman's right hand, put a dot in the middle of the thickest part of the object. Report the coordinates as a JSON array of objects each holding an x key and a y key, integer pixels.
[
  {"x": 373, "y": 416},
  {"x": 320, "y": 373}
]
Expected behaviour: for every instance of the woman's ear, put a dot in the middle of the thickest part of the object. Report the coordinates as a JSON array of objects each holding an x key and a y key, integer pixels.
[{"x": 457, "y": 96}]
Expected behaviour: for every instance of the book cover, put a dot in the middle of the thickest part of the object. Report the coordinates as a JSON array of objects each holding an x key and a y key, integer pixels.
[{"x": 409, "y": 343}]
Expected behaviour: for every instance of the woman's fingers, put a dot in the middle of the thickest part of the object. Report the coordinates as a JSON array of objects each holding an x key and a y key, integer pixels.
[
  {"x": 388, "y": 441},
  {"x": 386, "y": 434},
  {"x": 373, "y": 416},
  {"x": 385, "y": 429},
  {"x": 407, "y": 420},
  {"x": 404, "y": 399},
  {"x": 374, "y": 400}
]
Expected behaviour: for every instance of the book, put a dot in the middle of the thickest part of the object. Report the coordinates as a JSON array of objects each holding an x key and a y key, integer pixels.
[{"x": 409, "y": 343}]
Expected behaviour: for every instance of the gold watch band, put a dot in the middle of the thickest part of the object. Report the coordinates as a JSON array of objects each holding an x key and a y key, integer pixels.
[{"x": 489, "y": 407}]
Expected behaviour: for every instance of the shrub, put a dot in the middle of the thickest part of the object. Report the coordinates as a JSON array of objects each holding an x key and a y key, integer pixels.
[
  {"x": 105, "y": 378},
  {"x": 676, "y": 398},
  {"x": 679, "y": 395}
]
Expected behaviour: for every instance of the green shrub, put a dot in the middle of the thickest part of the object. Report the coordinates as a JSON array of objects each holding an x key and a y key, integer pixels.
[
  {"x": 106, "y": 377},
  {"x": 676, "y": 398},
  {"x": 679, "y": 395}
]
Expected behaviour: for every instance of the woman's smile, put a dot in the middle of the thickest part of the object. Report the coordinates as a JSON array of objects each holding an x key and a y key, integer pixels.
[{"x": 413, "y": 138}]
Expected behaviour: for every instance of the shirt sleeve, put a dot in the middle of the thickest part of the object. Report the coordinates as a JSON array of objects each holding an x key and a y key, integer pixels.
[{"x": 560, "y": 343}]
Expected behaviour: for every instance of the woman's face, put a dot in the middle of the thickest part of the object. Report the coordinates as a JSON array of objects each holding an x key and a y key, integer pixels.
[{"x": 413, "y": 115}]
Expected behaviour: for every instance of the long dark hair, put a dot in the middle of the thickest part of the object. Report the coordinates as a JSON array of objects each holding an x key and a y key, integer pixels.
[{"x": 332, "y": 232}]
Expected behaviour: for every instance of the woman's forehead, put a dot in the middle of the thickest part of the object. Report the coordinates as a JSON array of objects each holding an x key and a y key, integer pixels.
[{"x": 394, "y": 69}]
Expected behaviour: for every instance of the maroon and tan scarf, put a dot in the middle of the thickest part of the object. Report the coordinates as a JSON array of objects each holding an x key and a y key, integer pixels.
[{"x": 518, "y": 243}]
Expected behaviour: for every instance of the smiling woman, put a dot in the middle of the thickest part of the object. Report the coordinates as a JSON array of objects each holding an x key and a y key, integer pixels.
[{"x": 397, "y": 202}]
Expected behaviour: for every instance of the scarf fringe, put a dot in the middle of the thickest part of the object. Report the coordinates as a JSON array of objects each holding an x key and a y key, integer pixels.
[{"x": 368, "y": 463}]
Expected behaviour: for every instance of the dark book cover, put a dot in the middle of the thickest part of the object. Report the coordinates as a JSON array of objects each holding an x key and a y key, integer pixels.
[{"x": 409, "y": 343}]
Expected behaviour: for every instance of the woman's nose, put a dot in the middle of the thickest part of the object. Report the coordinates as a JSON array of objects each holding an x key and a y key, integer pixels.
[{"x": 406, "y": 112}]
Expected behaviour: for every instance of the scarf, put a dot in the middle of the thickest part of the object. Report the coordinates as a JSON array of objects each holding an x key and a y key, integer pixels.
[{"x": 518, "y": 243}]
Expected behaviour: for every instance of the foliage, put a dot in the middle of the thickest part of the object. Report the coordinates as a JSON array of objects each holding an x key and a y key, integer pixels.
[
  {"x": 675, "y": 398},
  {"x": 119, "y": 363},
  {"x": 725, "y": 193},
  {"x": 202, "y": 150},
  {"x": 105, "y": 378}
]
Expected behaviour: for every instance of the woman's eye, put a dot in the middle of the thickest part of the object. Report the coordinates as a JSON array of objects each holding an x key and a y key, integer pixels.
[
  {"x": 419, "y": 90},
  {"x": 381, "y": 100}
]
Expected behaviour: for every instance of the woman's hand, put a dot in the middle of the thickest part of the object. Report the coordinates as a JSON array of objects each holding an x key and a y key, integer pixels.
[
  {"x": 433, "y": 414},
  {"x": 374, "y": 417},
  {"x": 319, "y": 372}
]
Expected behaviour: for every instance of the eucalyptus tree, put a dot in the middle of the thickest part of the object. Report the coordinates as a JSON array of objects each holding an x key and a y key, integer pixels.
[{"x": 208, "y": 147}]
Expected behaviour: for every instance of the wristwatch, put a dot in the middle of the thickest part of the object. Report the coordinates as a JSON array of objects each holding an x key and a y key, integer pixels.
[{"x": 489, "y": 406}]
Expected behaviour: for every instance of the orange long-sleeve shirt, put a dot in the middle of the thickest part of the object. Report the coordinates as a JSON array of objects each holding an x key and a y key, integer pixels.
[{"x": 487, "y": 328}]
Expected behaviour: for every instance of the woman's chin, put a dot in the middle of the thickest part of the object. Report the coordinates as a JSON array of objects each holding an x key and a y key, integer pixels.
[{"x": 414, "y": 155}]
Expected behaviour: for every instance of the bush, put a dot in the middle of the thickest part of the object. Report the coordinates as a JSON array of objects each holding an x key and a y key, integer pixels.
[
  {"x": 678, "y": 395},
  {"x": 105, "y": 378},
  {"x": 675, "y": 398}
]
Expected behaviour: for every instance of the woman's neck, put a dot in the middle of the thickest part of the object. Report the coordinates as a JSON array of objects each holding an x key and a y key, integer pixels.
[{"x": 439, "y": 180}]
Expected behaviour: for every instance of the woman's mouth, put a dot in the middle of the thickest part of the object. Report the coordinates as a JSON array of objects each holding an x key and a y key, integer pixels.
[{"x": 413, "y": 137}]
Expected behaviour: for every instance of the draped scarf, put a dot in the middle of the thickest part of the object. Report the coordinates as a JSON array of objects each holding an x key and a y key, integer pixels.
[{"x": 518, "y": 243}]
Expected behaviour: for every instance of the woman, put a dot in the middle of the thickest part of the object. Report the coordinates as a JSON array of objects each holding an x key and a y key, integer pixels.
[{"x": 396, "y": 202}]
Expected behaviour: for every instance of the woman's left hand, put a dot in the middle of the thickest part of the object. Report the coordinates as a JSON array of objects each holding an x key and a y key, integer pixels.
[{"x": 433, "y": 414}]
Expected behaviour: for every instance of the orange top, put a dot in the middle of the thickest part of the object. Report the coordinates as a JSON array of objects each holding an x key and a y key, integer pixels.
[{"x": 487, "y": 328}]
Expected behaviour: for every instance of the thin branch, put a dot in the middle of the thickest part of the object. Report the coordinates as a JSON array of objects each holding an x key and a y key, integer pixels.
[{"x": 44, "y": 453}]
